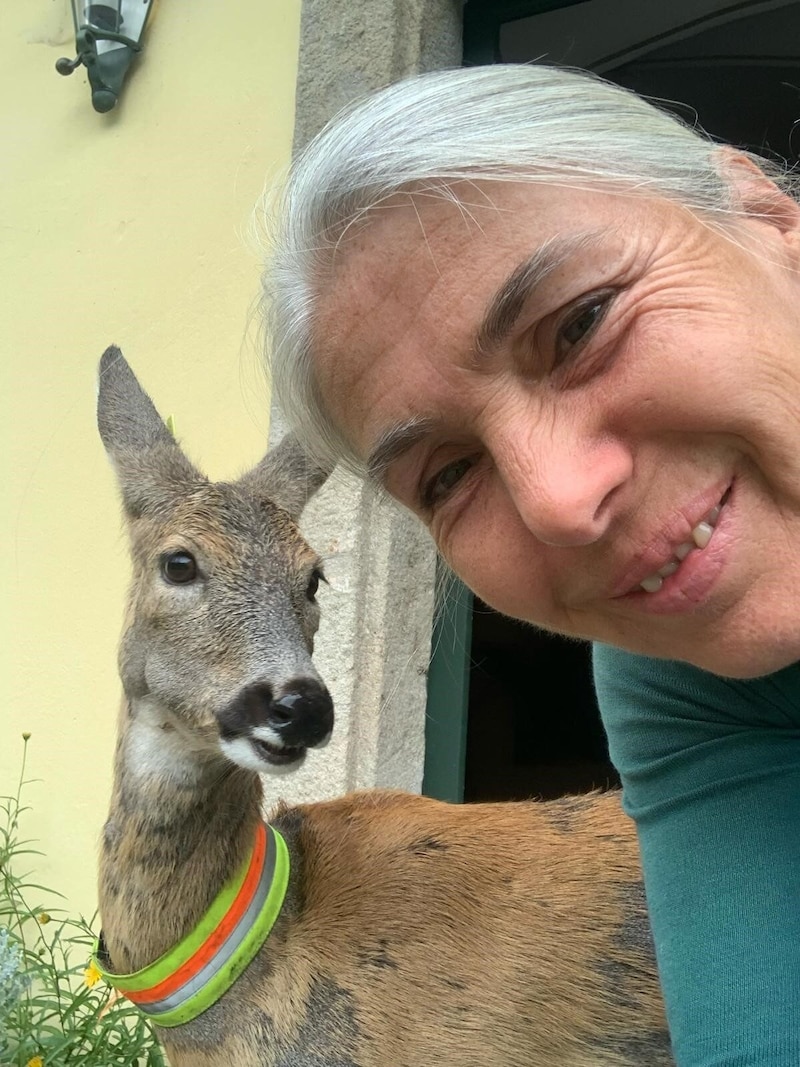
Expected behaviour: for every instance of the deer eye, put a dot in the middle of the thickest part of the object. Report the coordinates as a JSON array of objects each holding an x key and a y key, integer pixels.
[
  {"x": 179, "y": 568},
  {"x": 313, "y": 583}
]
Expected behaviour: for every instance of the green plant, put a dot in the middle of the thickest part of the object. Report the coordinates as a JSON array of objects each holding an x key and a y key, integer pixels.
[{"x": 54, "y": 1011}]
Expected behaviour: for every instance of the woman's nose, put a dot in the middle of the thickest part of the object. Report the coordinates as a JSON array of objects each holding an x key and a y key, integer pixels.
[{"x": 562, "y": 488}]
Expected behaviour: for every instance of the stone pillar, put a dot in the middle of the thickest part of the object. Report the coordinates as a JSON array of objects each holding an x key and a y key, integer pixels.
[
  {"x": 375, "y": 640},
  {"x": 348, "y": 48}
]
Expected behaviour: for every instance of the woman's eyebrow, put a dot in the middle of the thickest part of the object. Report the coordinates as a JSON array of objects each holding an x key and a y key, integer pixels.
[
  {"x": 395, "y": 442},
  {"x": 507, "y": 303}
]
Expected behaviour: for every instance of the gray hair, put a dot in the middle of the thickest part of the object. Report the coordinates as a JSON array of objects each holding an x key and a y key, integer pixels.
[{"x": 501, "y": 123}]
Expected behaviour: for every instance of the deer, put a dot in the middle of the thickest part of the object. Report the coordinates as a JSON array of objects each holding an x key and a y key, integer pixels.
[{"x": 378, "y": 929}]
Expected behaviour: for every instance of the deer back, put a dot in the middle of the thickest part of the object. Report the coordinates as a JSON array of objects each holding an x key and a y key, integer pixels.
[{"x": 417, "y": 933}]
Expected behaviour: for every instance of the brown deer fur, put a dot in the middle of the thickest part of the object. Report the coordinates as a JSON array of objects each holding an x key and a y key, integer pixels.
[{"x": 414, "y": 933}]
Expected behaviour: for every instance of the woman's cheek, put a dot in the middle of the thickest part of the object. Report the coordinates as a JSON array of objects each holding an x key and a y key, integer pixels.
[
  {"x": 442, "y": 532},
  {"x": 451, "y": 521},
  {"x": 484, "y": 568},
  {"x": 492, "y": 552},
  {"x": 468, "y": 534}
]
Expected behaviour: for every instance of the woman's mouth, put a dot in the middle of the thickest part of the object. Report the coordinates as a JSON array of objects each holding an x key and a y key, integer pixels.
[{"x": 700, "y": 538}]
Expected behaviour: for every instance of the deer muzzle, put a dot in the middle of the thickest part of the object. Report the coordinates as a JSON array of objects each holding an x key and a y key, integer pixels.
[{"x": 279, "y": 725}]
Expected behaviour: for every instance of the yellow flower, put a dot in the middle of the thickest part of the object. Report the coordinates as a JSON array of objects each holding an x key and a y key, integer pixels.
[
  {"x": 37, "y": 1061},
  {"x": 91, "y": 975},
  {"x": 42, "y": 919}
]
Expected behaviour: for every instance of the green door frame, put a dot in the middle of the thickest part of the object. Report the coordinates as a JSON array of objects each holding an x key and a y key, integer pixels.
[
  {"x": 448, "y": 675},
  {"x": 448, "y": 690}
]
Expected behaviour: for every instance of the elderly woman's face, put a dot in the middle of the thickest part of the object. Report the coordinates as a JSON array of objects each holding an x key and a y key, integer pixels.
[{"x": 593, "y": 402}]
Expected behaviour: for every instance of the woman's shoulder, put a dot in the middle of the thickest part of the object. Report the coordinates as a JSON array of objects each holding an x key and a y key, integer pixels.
[
  {"x": 678, "y": 733},
  {"x": 680, "y": 690}
]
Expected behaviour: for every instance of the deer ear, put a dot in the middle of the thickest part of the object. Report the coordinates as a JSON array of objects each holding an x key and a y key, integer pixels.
[
  {"x": 286, "y": 476},
  {"x": 150, "y": 467}
]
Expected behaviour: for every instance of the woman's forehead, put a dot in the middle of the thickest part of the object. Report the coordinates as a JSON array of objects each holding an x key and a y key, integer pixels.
[
  {"x": 400, "y": 250},
  {"x": 419, "y": 224},
  {"x": 431, "y": 279}
]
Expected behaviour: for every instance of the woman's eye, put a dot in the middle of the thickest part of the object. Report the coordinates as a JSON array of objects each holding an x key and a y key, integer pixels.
[
  {"x": 179, "y": 568},
  {"x": 581, "y": 323},
  {"x": 445, "y": 480},
  {"x": 313, "y": 583}
]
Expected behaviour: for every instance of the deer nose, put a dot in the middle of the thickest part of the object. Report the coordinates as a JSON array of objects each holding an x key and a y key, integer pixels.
[
  {"x": 303, "y": 714},
  {"x": 300, "y": 717}
]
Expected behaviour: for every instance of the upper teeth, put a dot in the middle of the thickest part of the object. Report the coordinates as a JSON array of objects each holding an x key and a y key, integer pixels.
[{"x": 701, "y": 535}]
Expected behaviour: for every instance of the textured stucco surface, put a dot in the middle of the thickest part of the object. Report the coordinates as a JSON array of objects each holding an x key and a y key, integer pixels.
[{"x": 374, "y": 644}]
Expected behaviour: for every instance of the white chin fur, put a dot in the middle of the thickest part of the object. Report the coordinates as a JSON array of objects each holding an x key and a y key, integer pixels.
[
  {"x": 242, "y": 753},
  {"x": 266, "y": 733},
  {"x": 155, "y": 752}
]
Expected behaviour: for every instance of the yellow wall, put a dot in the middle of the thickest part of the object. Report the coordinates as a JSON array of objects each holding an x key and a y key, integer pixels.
[{"x": 128, "y": 228}]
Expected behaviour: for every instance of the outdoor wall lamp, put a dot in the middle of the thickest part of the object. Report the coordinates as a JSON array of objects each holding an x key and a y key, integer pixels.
[{"x": 107, "y": 36}]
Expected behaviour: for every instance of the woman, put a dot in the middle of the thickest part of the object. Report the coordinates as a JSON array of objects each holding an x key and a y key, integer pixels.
[{"x": 564, "y": 329}]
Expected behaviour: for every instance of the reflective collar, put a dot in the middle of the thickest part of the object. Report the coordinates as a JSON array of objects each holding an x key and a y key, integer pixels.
[{"x": 195, "y": 973}]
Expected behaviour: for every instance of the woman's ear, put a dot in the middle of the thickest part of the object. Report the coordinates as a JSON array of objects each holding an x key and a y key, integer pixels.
[{"x": 756, "y": 194}]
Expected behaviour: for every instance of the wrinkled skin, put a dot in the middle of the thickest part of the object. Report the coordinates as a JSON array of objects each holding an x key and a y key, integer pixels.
[{"x": 559, "y": 457}]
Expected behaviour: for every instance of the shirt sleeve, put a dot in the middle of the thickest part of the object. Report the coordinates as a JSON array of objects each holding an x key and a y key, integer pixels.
[{"x": 710, "y": 769}]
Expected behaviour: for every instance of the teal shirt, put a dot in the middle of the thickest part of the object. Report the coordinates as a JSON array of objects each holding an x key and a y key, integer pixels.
[{"x": 711, "y": 773}]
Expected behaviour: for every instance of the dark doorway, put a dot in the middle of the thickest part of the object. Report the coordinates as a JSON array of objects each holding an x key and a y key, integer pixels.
[{"x": 534, "y": 727}]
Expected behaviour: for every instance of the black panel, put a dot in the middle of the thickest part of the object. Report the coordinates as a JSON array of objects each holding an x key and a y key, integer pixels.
[{"x": 534, "y": 728}]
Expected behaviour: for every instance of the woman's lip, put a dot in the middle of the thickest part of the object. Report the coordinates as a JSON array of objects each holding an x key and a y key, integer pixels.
[
  {"x": 683, "y": 591},
  {"x": 663, "y": 548}
]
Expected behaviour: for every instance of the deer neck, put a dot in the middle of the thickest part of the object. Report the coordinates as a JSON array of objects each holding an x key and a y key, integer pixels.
[{"x": 181, "y": 823}]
